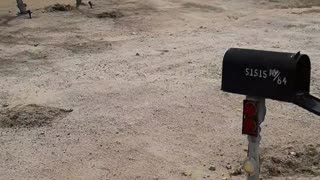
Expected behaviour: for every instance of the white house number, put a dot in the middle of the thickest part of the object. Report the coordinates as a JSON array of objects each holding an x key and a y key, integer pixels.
[{"x": 264, "y": 74}]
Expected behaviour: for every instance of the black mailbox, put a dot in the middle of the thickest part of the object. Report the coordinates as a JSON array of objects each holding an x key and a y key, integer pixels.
[{"x": 275, "y": 75}]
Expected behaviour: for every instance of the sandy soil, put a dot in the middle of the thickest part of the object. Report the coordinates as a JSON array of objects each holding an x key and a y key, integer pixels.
[{"x": 145, "y": 91}]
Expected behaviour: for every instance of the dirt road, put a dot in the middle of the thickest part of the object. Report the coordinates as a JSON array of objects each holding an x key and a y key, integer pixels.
[{"x": 131, "y": 90}]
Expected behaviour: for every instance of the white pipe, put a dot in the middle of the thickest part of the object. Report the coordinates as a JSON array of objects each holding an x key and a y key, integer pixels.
[{"x": 254, "y": 142}]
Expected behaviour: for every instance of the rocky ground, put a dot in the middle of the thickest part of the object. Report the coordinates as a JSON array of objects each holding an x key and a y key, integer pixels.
[{"x": 131, "y": 90}]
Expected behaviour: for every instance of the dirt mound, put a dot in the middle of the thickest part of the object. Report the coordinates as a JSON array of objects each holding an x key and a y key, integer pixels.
[
  {"x": 311, "y": 11},
  {"x": 4, "y": 20},
  {"x": 59, "y": 7},
  {"x": 283, "y": 4},
  {"x": 111, "y": 14},
  {"x": 87, "y": 47},
  {"x": 202, "y": 7},
  {"x": 31, "y": 115},
  {"x": 291, "y": 161}
]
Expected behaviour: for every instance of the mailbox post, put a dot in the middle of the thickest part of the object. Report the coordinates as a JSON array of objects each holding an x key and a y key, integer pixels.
[
  {"x": 253, "y": 157},
  {"x": 265, "y": 74}
]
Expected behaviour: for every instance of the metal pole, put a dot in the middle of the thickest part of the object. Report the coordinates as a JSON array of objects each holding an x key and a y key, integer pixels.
[{"x": 254, "y": 142}]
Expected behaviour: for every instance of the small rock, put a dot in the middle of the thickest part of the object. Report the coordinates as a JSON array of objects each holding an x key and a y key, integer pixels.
[
  {"x": 227, "y": 177},
  {"x": 137, "y": 54},
  {"x": 299, "y": 154},
  {"x": 5, "y": 105},
  {"x": 134, "y": 33},
  {"x": 276, "y": 160},
  {"x": 228, "y": 166},
  {"x": 186, "y": 173},
  {"x": 293, "y": 153},
  {"x": 35, "y": 45},
  {"x": 67, "y": 110},
  {"x": 236, "y": 172},
  {"x": 212, "y": 168}
]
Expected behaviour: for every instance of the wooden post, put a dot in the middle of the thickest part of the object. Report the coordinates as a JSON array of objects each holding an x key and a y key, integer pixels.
[
  {"x": 21, "y": 6},
  {"x": 90, "y": 3}
]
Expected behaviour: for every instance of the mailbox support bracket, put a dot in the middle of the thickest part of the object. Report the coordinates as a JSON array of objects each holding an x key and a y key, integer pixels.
[{"x": 254, "y": 142}]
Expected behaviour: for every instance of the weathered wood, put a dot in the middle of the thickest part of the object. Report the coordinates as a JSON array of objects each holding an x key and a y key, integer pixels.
[
  {"x": 90, "y": 3},
  {"x": 21, "y": 6},
  {"x": 78, "y": 2}
]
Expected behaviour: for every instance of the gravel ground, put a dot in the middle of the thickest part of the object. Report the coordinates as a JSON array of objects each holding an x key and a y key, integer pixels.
[{"x": 131, "y": 90}]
